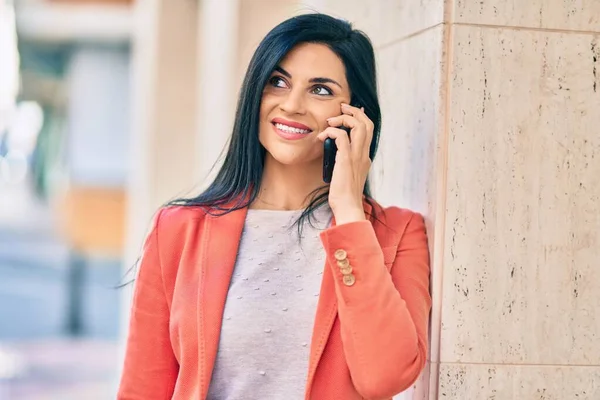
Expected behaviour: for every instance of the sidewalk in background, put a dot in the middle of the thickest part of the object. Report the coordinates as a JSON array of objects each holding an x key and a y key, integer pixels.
[
  {"x": 33, "y": 302},
  {"x": 63, "y": 370}
]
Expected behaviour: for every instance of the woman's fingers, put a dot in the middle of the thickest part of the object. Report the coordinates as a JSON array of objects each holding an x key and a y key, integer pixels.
[
  {"x": 342, "y": 141},
  {"x": 359, "y": 115},
  {"x": 344, "y": 120},
  {"x": 352, "y": 161},
  {"x": 359, "y": 135}
]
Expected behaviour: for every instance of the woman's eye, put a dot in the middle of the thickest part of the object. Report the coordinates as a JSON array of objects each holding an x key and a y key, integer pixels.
[
  {"x": 322, "y": 91},
  {"x": 277, "y": 82}
]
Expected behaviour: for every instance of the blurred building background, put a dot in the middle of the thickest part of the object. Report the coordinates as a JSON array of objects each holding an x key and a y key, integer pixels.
[
  {"x": 490, "y": 114},
  {"x": 64, "y": 150}
]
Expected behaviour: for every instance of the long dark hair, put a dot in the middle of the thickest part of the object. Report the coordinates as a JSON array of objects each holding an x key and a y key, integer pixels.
[{"x": 238, "y": 181}]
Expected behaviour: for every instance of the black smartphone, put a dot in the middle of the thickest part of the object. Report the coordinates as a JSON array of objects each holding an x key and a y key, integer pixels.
[{"x": 329, "y": 152}]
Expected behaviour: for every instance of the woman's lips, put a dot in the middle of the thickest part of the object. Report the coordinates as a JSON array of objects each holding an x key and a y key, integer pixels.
[
  {"x": 290, "y": 135},
  {"x": 292, "y": 124},
  {"x": 290, "y": 130}
]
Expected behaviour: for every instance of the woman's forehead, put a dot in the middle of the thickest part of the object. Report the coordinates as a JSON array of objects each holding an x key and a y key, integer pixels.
[{"x": 309, "y": 60}]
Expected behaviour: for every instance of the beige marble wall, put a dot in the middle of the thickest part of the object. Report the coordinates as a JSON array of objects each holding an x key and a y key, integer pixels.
[
  {"x": 582, "y": 15},
  {"x": 521, "y": 254},
  {"x": 523, "y": 200},
  {"x": 387, "y": 21},
  {"x": 519, "y": 382},
  {"x": 405, "y": 165}
]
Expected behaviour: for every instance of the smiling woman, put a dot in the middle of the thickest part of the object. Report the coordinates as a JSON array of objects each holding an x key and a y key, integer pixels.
[
  {"x": 301, "y": 95},
  {"x": 229, "y": 297}
]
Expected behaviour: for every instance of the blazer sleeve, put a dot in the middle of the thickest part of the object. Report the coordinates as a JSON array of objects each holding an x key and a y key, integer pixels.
[
  {"x": 384, "y": 314},
  {"x": 150, "y": 368}
]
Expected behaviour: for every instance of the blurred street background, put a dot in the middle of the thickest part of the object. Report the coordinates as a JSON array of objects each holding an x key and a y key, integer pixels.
[
  {"x": 59, "y": 271},
  {"x": 41, "y": 356},
  {"x": 109, "y": 108}
]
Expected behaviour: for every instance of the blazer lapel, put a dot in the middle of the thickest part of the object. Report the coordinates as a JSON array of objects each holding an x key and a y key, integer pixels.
[
  {"x": 221, "y": 238},
  {"x": 325, "y": 316}
]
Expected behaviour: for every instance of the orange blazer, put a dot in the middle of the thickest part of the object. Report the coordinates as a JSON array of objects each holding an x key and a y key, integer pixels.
[{"x": 369, "y": 340}]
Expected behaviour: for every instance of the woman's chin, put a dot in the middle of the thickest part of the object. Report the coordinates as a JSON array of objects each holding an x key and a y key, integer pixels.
[{"x": 290, "y": 159}]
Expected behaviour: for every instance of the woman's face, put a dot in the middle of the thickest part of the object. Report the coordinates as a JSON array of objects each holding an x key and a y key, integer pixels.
[{"x": 307, "y": 87}]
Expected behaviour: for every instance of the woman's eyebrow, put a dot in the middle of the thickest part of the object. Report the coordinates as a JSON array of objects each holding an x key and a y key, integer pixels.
[
  {"x": 312, "y": 80},
  {"x": 324, "y": 80},
  {"x": 283, "y": 72}
]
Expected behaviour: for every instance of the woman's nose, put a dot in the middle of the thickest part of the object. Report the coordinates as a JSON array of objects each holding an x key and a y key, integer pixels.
[{"x": 293, "y": 103}]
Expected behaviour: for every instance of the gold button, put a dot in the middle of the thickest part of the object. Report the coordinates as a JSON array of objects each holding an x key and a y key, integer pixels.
[
  {"x": 343, "y": 263},
  {"x": 340, "y": 254},
  {"x": 349, "y": 280},
  {"x": 347, "y": 270}
]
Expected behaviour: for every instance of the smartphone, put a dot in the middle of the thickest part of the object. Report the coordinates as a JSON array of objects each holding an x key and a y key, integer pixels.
[{"x": 329, "y": 152}]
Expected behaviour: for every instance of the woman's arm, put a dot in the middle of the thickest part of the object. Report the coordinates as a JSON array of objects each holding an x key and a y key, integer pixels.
[
  {"x": 383, "y": 315},
  {"x": 150, "y": 370}
]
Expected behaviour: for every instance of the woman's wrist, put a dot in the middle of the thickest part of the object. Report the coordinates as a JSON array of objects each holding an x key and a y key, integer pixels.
[{"x": 346, "y": 216}]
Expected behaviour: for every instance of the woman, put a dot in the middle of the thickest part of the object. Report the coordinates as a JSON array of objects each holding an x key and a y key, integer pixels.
[{"x": 231, "y": 303}]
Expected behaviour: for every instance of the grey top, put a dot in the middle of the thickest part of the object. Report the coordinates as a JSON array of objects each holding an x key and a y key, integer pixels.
[{"x": 270, "y": 309}]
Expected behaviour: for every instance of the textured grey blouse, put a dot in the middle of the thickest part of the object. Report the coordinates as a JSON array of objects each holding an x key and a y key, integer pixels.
[{"x": 270, "y": 309}]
